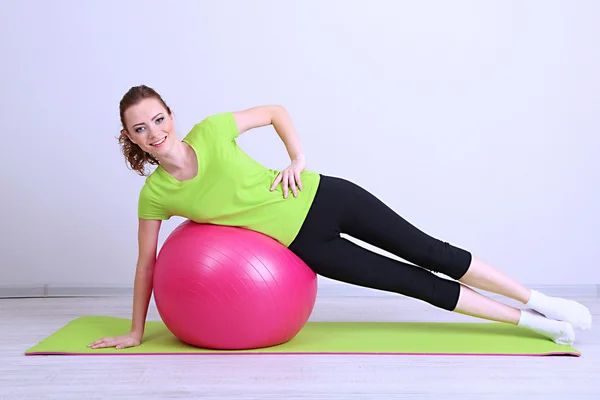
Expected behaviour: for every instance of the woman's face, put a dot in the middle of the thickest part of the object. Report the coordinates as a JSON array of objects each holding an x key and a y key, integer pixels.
[{"x": 150, "y": 126}]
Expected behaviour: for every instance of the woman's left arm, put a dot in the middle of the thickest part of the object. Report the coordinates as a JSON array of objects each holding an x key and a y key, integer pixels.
[{"x": 280, "y": 119}]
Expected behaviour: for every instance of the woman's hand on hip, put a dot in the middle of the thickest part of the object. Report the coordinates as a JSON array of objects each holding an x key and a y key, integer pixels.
[{"x": 290, "y": 177}]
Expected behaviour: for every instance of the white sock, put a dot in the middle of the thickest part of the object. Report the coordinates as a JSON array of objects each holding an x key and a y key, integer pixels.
[
  {"x": 559, "y": 331},
  {"x": 561, "y": 309}
]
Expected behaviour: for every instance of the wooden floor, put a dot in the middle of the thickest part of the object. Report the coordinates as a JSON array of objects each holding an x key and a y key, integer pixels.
[{"x": 24, "y": 322}]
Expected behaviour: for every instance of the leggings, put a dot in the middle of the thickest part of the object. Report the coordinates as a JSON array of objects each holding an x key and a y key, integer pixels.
[{"x": 341, "y": 206}]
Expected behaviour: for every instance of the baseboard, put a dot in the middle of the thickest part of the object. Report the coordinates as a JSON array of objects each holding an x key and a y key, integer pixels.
[
  {"x": 325, "y": 290},
  {"x": 338, "y": 290},
  {"x": 34, "y": 291}
]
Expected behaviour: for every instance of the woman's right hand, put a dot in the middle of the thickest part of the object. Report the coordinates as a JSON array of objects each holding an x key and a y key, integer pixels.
[{"x": 120, "y": 342}]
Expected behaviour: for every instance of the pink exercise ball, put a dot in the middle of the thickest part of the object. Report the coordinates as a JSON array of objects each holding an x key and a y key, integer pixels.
[{"x": 227, "y": 288}]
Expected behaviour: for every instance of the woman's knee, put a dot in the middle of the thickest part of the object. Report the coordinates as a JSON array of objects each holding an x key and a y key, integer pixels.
[{"x": 445, "y": 258}]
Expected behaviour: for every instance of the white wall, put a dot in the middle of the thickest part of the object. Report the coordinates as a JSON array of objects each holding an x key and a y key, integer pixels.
[{"x": 476, "y": 120}]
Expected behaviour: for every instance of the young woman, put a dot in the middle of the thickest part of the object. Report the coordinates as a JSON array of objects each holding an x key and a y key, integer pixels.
[{"x": 207, "y": 178}]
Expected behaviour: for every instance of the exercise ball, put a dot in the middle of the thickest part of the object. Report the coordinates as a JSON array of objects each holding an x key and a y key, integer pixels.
[{"x": 229, "y": 288}]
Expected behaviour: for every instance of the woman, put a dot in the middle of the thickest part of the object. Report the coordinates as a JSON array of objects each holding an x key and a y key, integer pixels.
[{"x": 207, "y": 178}]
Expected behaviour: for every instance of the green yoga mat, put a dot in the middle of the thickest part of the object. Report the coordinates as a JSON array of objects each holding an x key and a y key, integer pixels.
[{"x": 394, "y": 338}]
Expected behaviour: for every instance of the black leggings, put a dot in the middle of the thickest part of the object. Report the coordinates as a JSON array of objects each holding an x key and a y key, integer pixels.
[{"x": 341, "y": 206}]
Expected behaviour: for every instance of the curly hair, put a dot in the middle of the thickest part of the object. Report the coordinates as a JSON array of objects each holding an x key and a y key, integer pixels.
[{"x": 134, "y": 155}]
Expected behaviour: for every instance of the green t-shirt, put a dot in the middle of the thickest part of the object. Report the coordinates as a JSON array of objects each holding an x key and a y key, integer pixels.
[{"x": 230, "y": 189}]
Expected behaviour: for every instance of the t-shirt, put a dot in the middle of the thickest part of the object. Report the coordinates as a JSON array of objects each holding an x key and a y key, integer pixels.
[{"x": 231, "y": 188}]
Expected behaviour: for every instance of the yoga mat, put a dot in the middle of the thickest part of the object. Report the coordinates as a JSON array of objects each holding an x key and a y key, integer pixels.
[{"x": 389, "y": 338}]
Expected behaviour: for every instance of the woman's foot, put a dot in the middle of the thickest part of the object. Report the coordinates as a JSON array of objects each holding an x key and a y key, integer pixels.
[
  {"x": 560, "y": 332},
  {"x": 475, "y": 304},
  {"x": 561, "y": 309},
  {"x": 484, "y": 276}
]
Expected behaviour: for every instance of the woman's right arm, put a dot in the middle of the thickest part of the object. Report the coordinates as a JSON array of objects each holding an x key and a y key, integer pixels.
[{"x": 142, "y": 287}]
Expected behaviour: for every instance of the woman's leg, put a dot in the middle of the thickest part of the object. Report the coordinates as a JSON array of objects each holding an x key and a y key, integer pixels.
[
  {"x": 475, "y": 304},
  {"x": 321, "y": 247},
  {"x": 345, "y": 261},
  {"x": 485, "y": 277},
  {"x": 367, "y": 218}
]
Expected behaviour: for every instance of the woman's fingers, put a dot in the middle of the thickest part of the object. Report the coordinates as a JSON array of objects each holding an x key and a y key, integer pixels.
[
  {"x": 293, "y": 184},
  {"x": 286, "y": 182},
  {"x": 276, "y": 182},
  {"x": 298, "y": 180},
  {"x": 289, "y": 179},
  {"x": 99, "y": 343}
]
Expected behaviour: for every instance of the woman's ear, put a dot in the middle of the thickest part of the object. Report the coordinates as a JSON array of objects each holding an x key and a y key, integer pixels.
[{"x": 124, "y": 132}]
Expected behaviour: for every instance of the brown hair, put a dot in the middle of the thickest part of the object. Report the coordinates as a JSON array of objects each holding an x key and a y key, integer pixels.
[{"x": 134, "y": 155}]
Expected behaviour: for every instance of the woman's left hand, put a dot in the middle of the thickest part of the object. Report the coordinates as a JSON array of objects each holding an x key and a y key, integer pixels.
[{"x": 290, "y": 177}]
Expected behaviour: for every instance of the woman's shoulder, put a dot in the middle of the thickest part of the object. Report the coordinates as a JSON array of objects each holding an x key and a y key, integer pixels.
[
  {"x": 215, "y": 126},
  {"x": 148, "y": 189},
  {"x": 150, "y": 205}
]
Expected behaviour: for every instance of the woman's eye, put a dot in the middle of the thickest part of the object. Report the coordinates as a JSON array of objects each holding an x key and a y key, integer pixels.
[
  {"x": 159, "y": 120},
  {"x": 138, "y": 130}
]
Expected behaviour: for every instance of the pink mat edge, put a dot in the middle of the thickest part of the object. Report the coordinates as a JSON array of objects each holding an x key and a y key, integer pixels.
[{"x": 304, "y": 353}]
